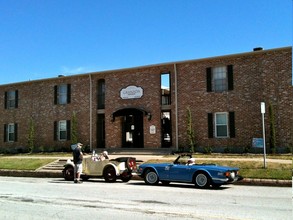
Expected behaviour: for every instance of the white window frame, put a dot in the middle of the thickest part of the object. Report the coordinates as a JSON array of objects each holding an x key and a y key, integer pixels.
[
  {"x": 11, "y": 132},
  {"x": 220, "y": 79},
  {"x": 62, "y": 94},
  {"x": 217, "y": 124},
  {"x": 62, "y": 127}
]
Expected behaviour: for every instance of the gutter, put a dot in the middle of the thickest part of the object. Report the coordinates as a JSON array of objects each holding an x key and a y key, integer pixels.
[
  {"x": 176, "y": 107},
  {"x": 91, "y": 112}
]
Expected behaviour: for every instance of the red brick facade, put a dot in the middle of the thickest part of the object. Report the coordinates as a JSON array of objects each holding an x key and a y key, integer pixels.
[{"x": 259, "y": 76}]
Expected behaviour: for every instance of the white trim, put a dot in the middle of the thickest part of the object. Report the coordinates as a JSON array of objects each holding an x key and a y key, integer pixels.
[
  {"x": 59, "y": 130},
  {"x": 227, "y": 124},
  {"x": 8, "y": 126}
]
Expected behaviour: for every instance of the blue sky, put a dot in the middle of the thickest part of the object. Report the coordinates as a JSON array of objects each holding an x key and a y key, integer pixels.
[{"x": 45, "y": 38}]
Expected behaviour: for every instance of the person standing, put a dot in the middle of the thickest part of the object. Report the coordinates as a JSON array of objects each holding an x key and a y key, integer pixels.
[{"x": 77, "y": 159}]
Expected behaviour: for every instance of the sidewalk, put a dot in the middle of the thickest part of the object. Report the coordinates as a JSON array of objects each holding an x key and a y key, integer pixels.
[{"x": 54, "y": 170}]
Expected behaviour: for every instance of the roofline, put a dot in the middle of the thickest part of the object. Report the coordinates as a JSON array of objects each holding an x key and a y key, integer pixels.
[{"x": 156, "y": 65}]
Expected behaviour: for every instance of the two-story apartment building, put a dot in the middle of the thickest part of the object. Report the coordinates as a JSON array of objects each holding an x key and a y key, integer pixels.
[{"x": 147, "y": 107}]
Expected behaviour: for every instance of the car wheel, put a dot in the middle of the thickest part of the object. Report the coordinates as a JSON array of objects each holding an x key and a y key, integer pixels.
[
  {"x": 68, "y": 173},
  {"x": 110, "y": 174},
  {"x": 202, "y": 180},
  {"x": 151, "y": 177}
]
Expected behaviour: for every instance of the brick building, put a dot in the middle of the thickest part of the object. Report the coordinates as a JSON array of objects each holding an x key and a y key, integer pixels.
[{"x": 147, "y": 107}]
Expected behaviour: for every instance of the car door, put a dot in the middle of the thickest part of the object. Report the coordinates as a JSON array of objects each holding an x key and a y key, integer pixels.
[{"x": 182, "y": 173}]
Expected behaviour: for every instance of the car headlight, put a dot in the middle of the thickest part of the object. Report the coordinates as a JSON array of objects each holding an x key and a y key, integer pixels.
[{"x": 232, "y": 175}]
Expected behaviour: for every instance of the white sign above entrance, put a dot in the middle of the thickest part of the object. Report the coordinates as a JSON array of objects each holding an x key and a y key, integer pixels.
[{"x": 131, "y": 92}]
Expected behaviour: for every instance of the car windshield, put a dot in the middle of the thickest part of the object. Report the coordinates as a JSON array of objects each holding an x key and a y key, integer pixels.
[{"x": 183, "y": 160}]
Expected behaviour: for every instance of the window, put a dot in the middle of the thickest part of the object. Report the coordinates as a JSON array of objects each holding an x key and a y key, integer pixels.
[
  {"x": 62, "y": 94},
  {"x": 101, "y": 131},
  {"x": 101, "y": 94},
  {"x": 10, "y": 132},
  {"x": 11, "y": 99},
  {"x": 165, "y": 89},
  {"x": 221, "y": 125},
  {"x": 220, "y": 79},
  {"x": 62, "y": 130}
]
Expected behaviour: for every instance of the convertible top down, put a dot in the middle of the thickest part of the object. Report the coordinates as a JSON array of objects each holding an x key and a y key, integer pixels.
[{"x": 202, "y": 175}]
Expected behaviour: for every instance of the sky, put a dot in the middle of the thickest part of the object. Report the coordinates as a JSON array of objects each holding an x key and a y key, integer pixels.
[{"x": 42, "y": 39}]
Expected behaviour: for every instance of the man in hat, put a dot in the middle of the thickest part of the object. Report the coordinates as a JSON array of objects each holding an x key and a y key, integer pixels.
[
  {"x": 104, "y": 155},
  {"x": 77, "y": 159}
]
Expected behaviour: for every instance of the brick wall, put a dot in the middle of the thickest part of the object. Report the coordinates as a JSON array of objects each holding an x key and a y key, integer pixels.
[{"x": 262, "y": 76}]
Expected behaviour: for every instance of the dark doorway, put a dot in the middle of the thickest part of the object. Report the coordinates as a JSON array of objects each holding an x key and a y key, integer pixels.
[
  {"x": 166, "y": 129},
  {"x": 132, "y": 127},
  {"x": 101, "y": 131}
]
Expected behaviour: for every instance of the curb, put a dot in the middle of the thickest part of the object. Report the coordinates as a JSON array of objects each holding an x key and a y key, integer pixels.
[
  {"x": 48, "y": 174},
  {"x": 265, "y": 182},
  {"x": 30, "y": 173}
]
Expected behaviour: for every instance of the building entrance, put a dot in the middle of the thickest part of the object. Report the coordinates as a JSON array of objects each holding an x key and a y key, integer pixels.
[{"x": 132, "y": 127}]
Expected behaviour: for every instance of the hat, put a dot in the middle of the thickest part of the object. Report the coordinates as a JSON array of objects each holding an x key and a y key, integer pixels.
[
  {"x": 105, "y": 153},
  {"x": 73, "y": 146},
  {"x": 79, "y": 144},
  {"x": 191, "y": 160}
]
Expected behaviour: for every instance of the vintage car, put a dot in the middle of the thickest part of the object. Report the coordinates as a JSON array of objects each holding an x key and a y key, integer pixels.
[
  {"x": 110, "y": 170},
  {"x": 202, "y": 175}
]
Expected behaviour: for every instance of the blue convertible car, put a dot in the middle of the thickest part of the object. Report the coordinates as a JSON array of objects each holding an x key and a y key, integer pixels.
[{"x": 202, "y": 175}]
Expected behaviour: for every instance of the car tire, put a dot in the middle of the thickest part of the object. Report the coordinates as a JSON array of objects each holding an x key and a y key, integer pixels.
[
  {"x": 109, "y": 174},
  {"x": 151, "y": 177},
  {"x": 68, "y": 173},
  {"x": 202, "y": 180}
]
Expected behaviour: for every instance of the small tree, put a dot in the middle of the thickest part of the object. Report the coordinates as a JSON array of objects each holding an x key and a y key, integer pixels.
[
  {"x": 31, "y": 136},
  {"x": 73, "y": 129},
  {"x": 190, "y": 132},
  {"x": 272, "y": 129}
]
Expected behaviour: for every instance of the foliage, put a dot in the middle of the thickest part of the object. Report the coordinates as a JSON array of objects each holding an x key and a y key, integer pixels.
[
  {"x": 31, "y": 136},
  {"x": 208, "y": 150},
  {"x": 190, "y": 131},
  {"x": 227, "y": 150},
  {"x": 74, "y": 138}
]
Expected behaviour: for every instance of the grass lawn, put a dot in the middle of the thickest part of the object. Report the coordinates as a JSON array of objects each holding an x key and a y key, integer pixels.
[
  {"x": 23, "y": 163},
  {"x": 248, "y": 169}
]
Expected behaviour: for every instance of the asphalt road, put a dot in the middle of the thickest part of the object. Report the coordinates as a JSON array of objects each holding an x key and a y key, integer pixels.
[{"x": 54, "y": 198}]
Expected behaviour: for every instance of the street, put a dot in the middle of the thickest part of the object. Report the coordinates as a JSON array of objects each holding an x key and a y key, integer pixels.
[{"x": 53, "y": 198}]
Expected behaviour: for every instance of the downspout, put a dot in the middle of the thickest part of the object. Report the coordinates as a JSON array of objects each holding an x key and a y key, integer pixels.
[
  {"x": 176, "y": 107},
  {"x": 91, "y": 111}
]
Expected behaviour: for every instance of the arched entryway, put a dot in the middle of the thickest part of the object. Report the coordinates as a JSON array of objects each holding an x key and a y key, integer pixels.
[{"x": 131, "y": 127}]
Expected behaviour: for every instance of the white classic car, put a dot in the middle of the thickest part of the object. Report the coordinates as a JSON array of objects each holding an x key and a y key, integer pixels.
[{"x": 110, "y": 170}]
